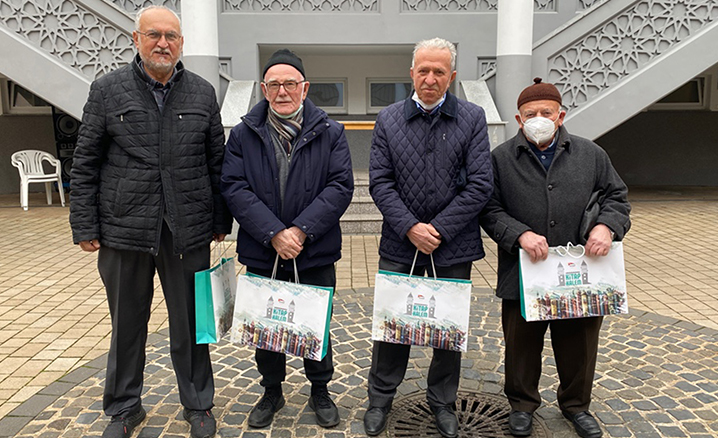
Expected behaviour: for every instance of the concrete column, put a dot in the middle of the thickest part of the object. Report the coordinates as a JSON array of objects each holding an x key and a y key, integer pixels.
[
  {"x": 201, "y": 38},
  {"x": 514, "y": 41}
]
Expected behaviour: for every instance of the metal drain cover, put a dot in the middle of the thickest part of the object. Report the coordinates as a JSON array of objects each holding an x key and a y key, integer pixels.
[{"x": 480, "y": 415}]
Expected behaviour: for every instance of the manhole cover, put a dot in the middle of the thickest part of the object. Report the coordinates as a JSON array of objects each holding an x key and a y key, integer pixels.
[{"x": 480, "y": 415}]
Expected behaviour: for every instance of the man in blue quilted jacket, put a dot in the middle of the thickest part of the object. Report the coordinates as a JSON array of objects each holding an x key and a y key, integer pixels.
[
  {"x": 430, "y": 176},
  {"x": 145, "y": 196}
]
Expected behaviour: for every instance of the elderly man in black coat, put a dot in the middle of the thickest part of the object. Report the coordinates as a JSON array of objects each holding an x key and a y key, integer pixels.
[
  {"x": 544, "y": 179},
  {"x": 145, "y": 193}
]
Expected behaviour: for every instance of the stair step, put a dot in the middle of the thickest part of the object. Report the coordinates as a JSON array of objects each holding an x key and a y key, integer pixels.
[{"x": 361, "y": 223}]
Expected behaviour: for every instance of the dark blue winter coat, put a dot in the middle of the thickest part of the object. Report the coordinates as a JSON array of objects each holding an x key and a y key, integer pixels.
[
  {"x": 318, "y": 191},
  {"x": 432, "y": 169}
]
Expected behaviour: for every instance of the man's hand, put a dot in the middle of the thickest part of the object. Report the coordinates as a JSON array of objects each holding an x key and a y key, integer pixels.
[
  {"x": 299, "y": 234},
  {"x": 535, "y": 245},
  {"x": 218, "y": 237},
  {"x": 599, "y": 241},
  {"x": 424, "y": 237},
  {"x": 90, "y": 245},
  {"x": 287, "y": 245}
]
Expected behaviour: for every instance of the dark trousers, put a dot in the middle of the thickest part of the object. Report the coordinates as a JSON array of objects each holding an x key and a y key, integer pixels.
[
  {"x": 575, "y": 346},
  {"x": 272, "y": 365},
  {"x": 389, "y": 361},
  {"x": 128, "y": 278}
]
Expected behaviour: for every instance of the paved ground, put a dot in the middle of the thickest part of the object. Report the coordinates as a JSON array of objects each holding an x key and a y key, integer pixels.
[{"x": 656, "y": 374}]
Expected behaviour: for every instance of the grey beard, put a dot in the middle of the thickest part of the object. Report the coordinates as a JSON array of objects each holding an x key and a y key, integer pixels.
[{"x": 157, "y": 68}]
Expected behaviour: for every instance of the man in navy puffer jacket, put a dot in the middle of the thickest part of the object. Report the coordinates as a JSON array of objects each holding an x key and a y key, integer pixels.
[
  {"x": 430, "y": 176},
  {"x": 287, "y": 179}
]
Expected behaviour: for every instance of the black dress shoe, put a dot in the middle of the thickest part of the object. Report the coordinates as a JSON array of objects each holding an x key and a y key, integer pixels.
[
  {"x": 375, "y": 420},
  {"x": 521, "y": 423},
  {"x": 446, "y": 421},
  {"x": 324, "y": 408},
  {"x": 586, "y": 426},
  {"x": 263, "y": 412}
]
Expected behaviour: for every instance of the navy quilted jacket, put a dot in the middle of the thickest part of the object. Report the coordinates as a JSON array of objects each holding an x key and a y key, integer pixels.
[
  {"x": 319, "y": 188},
  {"x": 431, "y": 169},
  {"x": 132, "y": 163}
]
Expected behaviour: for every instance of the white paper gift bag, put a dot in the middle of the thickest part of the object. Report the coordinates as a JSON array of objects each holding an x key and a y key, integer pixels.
[
  {"x": 421, "y": 311},
  {"x": 281, "y": 316},
  {"x": 570, "y": 284}
]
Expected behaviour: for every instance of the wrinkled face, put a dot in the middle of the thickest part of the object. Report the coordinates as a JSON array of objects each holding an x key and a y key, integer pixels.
[
  {"x": 549, "y": 109},
  {"x": 159, "y": 42},
  {"x": 283, "y": 101},
  {"x": 432, "y": 74}
]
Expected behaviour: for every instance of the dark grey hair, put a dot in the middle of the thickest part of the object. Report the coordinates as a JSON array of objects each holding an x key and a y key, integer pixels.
[
  {"x": 436, "y": 43},
  {"x": 147, "y": 8}
]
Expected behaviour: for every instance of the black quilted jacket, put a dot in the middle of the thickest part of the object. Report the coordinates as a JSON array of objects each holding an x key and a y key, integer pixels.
[
  {"x": 133, "y": 162},
  {"x": 431, "y": 169}
]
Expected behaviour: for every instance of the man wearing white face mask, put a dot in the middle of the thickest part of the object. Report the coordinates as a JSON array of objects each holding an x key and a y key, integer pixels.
[{"x": 544, "y": 178}]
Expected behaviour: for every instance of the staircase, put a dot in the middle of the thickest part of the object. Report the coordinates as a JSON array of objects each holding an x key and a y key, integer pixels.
[
  {"x": 56, "y": 48},
  {"x": 621, "y": 56},
  {"x": 362, "y": 216}
]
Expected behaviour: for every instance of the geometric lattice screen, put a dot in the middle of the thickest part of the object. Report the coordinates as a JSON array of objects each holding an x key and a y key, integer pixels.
[
  {"x": 70, "y": 32},
  {"x": 625, "y": 44}
]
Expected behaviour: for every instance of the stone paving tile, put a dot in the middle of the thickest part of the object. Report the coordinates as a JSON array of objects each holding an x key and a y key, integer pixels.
[
  {"x": 53, "y": 310},
  {"x": 654, "y": 377}
]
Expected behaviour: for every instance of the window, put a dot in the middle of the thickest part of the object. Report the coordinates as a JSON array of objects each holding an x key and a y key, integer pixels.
[
  {"x": 690, "y": 95},
  {"x": 384, "y": 92},
  {"x": 18, "y": 100},
  {"x": 329, "y": 95}
]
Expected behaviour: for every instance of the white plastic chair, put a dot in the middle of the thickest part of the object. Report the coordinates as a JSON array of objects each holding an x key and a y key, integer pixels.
[{"x": 29, "y": 164}]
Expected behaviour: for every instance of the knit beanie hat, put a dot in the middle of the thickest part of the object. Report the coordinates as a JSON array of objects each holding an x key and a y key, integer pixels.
[
  {"x": 284, "y": 56},
  {"x": 539, "y": 91}
]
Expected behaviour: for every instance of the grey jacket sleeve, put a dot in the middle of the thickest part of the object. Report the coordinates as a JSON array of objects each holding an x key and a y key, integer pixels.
[
  {"x": 498, "y": 224},
  {"x": 615, "y": 209}
]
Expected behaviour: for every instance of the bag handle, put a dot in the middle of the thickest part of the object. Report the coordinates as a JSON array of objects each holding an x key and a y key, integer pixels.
[
  {"x": 433, "y": 268},
  {"x": 219, "y": 249},
  {"x": 566, "y": 250},
  {"x": 274, "y": 270}
]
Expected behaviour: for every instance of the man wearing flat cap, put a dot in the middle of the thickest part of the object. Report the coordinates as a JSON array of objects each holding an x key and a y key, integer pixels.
[
  {"x": 544, "y": 178},
  {"x": 287, "y": 179}
]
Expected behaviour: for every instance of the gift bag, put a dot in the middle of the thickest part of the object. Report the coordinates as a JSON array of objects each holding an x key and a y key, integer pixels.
[
  {"x": 214, "y": 300},
  {"x": 427, "y": 312},
  {"x": 570, "y": 284},
  {"x": 282, "y": 316}
]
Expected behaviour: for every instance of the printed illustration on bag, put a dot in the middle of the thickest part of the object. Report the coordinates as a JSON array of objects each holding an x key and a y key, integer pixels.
[
  {"x": 285, "y": 321},
  {"x": 225, "y": 310},
  {"x": 421, "y": 311},
  {"x": 577, "y": 287}
]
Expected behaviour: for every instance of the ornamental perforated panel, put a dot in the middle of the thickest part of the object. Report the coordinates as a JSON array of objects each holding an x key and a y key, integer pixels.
[
  {"x": 69, "y": 32},
  {"x": 631, "y": 40}
]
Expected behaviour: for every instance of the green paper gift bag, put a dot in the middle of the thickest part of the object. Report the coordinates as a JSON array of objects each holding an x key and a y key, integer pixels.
[{"x": 214, "y": 294}]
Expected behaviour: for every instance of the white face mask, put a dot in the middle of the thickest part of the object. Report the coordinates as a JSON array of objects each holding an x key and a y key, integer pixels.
[
  {"x": 415, "y": 98},
  {"x": 539, "y": 130}
]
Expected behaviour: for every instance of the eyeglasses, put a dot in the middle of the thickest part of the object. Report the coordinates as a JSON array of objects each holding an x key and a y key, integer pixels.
[
  {"x": 289, "y": 86},
  {"x": 153, "y": 35}
]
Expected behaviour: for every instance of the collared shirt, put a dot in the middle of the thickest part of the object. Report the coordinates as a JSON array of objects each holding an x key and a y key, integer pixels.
[
  {"x": 159, "y": 90},
  {"x": 546, "y": 156}
]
